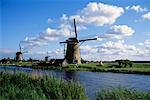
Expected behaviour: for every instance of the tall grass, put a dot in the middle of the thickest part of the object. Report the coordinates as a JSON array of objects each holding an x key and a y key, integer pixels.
[
  {"x": 23, "y": 87},
  {"x": 122, "y": 94}
]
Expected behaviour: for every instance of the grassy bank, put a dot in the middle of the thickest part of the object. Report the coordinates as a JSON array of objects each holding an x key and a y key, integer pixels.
[
  {"x": 24, "y": 87},
  {"x": 107, "y": 67},
  {"x": 122, "y": 94},
  {"x": 137, "y": 68}
]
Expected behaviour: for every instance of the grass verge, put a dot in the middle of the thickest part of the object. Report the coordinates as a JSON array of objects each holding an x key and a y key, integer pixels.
[
  {"x": 21, "y": 86},
  {"x": 137, "y": 68},
  {"x": 122, "y": 94}
]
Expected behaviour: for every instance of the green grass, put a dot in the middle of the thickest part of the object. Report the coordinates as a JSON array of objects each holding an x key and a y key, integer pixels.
[
  {"x": 27, "y": 64},
  {"x": 21, "y": 86},
  {"x": 136, "y": 69},
  {"x": 122, "y": 94}
]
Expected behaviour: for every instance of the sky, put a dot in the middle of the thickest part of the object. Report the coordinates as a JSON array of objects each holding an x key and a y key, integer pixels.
[{"x": 122, "y": 28}]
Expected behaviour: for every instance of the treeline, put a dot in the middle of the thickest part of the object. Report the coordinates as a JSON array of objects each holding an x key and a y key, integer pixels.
[
  {"x": 9, "y": 60},
  {"x": 141, "y": 61}
]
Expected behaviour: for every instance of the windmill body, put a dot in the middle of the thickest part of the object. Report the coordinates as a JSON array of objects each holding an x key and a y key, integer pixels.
[
  {"x": 19, "y": 56},
  {"x": 46, "y": 58},
  {"x": 73, "y": 53}
]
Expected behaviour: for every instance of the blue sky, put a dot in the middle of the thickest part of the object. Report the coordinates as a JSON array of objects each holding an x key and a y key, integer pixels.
[{"x": 126, "y": 37}]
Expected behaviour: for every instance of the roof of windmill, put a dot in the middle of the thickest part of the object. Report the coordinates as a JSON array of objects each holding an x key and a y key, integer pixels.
[
  {"x": 72, "y": 39},
  {"x": 18, "y": 52}
]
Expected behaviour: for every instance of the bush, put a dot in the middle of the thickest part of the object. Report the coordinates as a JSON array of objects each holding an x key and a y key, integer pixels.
[{"x": 124, "y": 63}]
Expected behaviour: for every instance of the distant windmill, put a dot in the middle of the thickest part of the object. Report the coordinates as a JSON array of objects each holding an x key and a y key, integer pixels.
[
  {"x": 46, "y": 57},
  {"x": 72, "y": 53},
  {"x": 19, "y": 54}
]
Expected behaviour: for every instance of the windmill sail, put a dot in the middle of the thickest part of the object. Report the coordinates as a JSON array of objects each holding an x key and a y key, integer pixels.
[
  {"x": 75, "y": 29},
  {"x": 19, "y": 47},
  {"x": 87, "y": 39}
]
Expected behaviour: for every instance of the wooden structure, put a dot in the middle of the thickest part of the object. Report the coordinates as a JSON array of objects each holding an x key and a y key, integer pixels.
[{"x": 72, "y": 55}]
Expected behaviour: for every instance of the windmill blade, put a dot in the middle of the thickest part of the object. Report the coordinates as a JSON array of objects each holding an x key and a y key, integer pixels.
[
  {"x": 87, "y": 39},
  {"x": 19, "y": 47},
  {"x": 25, "y": 52},
  {"x": 63, "y": 42},
  {"x": 75, "y": 30}
]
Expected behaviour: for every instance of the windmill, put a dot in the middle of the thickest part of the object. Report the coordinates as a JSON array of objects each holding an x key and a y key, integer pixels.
[
  {"x": 46, "y": 57},
  {"x": 19, "y": 54},
  {"x": 72, "y": 52}
]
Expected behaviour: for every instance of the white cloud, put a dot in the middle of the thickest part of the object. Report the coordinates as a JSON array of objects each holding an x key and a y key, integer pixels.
[
  {"x": 56, "y": 54},
  {"x": 145, "y": 47},
  {"x": 44, "y": 37},
  {"x": 88, "y": 49},
  {"x": 113, "y": 50},
  {"x": 49, "y": 20},
  {"x": 98, "y": 14},
  {"x": 136, "y": 8},
  {"x": 145, "y": 43},
  {"x": 146, "y": 16},
  {"x": 118, "y": 32},
  {"x": 7, "y": 51}
]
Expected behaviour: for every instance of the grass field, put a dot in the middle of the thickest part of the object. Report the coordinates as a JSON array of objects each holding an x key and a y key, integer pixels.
[
  {"x": 24, "y": 87},
  {"x": 107, "y": 67}
]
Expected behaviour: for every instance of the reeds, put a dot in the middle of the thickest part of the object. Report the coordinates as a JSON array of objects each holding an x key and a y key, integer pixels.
[
  {"x": 21, "y": 86},
  {"x": 122, "y": 94}
]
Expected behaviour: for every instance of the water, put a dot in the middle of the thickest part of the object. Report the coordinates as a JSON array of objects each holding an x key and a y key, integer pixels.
[{"x": 92, "y": 81}]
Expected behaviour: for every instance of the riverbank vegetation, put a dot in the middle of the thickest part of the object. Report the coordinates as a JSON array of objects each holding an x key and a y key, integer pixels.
[
  {"x": 110, "y": 67},
  {"x": 122, "y": 94},
  {"x": 21, "y": 86},
  {"x": 118, "y": 66}
]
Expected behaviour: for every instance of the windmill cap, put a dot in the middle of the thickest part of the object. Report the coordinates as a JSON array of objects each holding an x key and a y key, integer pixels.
[{"x": 72, "y": 39}]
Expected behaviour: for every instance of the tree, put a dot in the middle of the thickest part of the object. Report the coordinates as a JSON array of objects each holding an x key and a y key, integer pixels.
[{"x": 124, "y": 63}]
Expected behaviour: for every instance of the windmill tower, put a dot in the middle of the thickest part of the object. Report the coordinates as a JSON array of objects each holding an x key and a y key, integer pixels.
[
  {"x": 46, "y": 57},
  {"x": 73, "y": 53},
  {"x": 19, "y": 54}
]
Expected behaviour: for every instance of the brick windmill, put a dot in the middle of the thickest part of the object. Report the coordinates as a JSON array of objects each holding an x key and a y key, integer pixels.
[
  {"x": 72, "y": 55},
  {"x": 46, "y": 57},
  {"x": 19, "y": 56}
]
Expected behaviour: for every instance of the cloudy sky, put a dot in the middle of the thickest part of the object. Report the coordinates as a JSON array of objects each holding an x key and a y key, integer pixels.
[{"x": 121, "y": 26}]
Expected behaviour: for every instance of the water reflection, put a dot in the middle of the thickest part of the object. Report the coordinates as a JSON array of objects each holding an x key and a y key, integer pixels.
[{"x": 70, "y": 76}]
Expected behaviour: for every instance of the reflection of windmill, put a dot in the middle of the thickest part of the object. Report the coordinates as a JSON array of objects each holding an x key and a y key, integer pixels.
[
  {"x": 72, "y": 52},
  {"x": 19, "y": 54}
]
